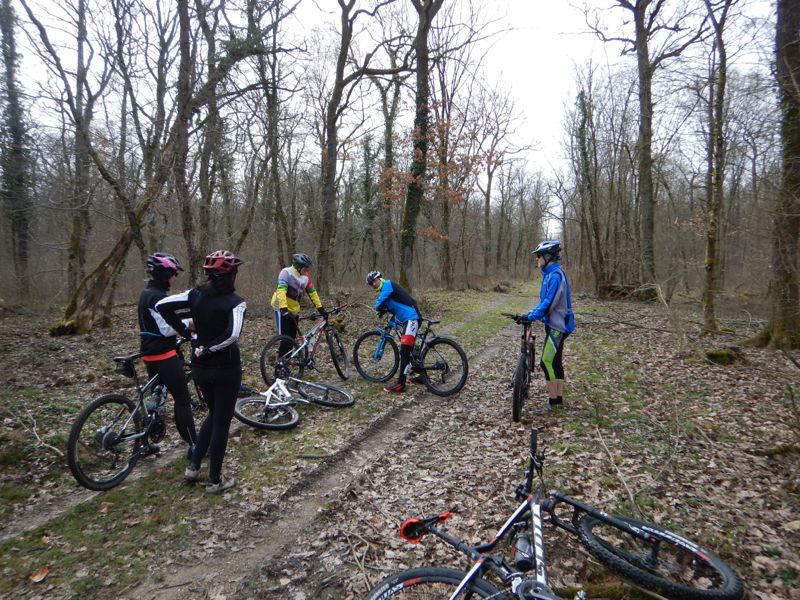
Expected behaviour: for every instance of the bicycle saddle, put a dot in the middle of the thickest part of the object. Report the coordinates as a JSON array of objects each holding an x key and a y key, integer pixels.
[{"x": 413, "y": 530}]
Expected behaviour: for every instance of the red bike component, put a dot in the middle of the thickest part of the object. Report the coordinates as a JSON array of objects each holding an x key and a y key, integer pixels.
[{"x": 413, "y": 530}]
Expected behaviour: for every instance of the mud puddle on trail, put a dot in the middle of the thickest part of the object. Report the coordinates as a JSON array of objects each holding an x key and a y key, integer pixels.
[{"x": 265, "y": 533}]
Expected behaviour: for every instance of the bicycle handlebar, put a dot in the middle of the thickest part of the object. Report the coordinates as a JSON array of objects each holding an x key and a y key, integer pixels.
[{"x": 518, "y": 319}]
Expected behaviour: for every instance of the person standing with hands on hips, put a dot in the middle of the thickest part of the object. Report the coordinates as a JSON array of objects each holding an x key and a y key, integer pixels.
[
  {"x": 555, "y": 311},
  {"x": 293, "y": 282},
  {"x": 217, "y": 316}
]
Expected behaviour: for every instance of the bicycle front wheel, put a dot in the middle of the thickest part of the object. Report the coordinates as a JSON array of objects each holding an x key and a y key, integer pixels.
[
  {"x": 338, "y": 353},
  {"x": 101, "y": 450},
  {"x": 325, "y": 394},
  {"x": 257, "y": 412},
  {"x": 375, "y": 356},
  {"x": 521, "y": 386},
  {"x": 666, "y": 562},
  {"x": 290, "y": 363},
  {"x": 444, "y": 367},
  {"x": 433, "y": 583}
]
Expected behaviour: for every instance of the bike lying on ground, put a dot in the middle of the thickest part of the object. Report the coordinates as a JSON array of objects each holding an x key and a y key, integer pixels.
[
  {"x": 523, "y": 373},
  {"x": 113, "y": 432},
  {"x": 301, "y": 351},
  {"x": 656, "y": 559},
  {"x": 439, "y": 361},
  {"x": 275, "y": 408}
]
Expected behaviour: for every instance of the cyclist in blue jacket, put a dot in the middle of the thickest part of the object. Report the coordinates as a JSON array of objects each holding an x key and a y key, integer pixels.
[
  {"x": 396, "y": 300},
  {"x": 555, "y": 311}
]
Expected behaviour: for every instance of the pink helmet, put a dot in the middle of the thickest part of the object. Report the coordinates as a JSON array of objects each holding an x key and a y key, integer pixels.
[{"x": 221, "y": 262}]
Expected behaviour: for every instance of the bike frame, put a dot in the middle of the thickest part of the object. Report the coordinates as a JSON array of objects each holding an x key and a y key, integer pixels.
[
  {"x": 312, "y": 337},
  {"x": 392, "y": 330},
  {"x": 529, "y": 513},
  {"x": 278, "y": 394}
]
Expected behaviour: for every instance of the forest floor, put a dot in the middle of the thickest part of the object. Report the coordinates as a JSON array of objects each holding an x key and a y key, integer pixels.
[{"x": 649, "y": 428}]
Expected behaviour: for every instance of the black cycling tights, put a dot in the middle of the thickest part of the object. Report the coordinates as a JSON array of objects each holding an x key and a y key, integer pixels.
[
  {"x": 220, "y": 388},
  {"x": 173, "y": 376}
]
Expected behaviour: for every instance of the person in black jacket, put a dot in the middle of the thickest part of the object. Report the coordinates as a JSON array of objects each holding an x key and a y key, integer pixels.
[
  {"x": 217, "y": 317},
  {"x": 158, "y": 343}
]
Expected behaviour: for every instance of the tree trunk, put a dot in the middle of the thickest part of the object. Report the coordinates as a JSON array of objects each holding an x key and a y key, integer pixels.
[
  {"x": 426, "y": 11},
  {"x": 783, "y": 330}
]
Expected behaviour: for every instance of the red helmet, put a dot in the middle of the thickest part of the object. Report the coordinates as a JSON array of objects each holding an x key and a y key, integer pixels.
[{"x": 221, "y": 262}]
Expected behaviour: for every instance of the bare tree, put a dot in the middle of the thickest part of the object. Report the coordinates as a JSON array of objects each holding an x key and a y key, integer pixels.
[{"x": 668, "y": 34}]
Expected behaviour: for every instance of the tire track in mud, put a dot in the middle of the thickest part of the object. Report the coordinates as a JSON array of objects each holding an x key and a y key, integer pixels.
[{"x": 278, "y": 529}]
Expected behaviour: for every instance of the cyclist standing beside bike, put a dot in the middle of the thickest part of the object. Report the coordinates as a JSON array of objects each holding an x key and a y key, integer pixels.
[
  {"x": 293, "y": 282},
  {"x": 158, "y": 341},
  {"x": 555, "y": 311},
  {"x": 217, "y": 316},
  {"x": 393, "y": 298}
]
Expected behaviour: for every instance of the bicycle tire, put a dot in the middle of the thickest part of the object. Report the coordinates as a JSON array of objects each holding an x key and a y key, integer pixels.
[
  {"x": 443, "y": 366},
  {"x": 520, "y": 388},
  {"x": 338, "y": 354},
  {"x": 294, "y": 367},
  {"x": 682, "y": 566},
  {"x": 325, "y": 394},
  {"x": 96, "y": 457},
  {"x": 367, "y": 362},
  {"x": 256, "y": 412},
  {"x": 432, "y": 582}
]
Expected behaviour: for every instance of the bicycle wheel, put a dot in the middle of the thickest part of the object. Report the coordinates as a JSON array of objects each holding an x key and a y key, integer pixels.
[
  {"x": 325, "y": 394},
  {"x": 443, "y": 366},
  {"x": 257, "y": 412},
  {"x": 522, "y": 379},
  {"x": 101, "y": 450},
  {"x": 292, "y": 364},
  {"x": 338, "y": 353},
  {"x": 375, "y": 356},
  {"x": 666, "y": 563},
  {"x": 433, "y": 583}
]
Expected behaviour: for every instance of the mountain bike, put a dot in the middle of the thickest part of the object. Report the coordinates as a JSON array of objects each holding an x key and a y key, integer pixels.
[
  {"x": 302, "y": 350},
  {"x": 523, "y": 373},
  {"x": 656, "y": 559},
  {"x": 113, "y": 432},
  {"x": 439, "y": 361},
  {"x": 275, "y": 408}
]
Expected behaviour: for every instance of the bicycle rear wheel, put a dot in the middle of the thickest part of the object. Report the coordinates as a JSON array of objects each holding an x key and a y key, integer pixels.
[
  {"x": 375, "y": 356},
  {"x": 325, "y": 394},
  {"x": 666, "y": 563},
  {"x": 433, "y": 583},
  {"x": 102, "y": 445},
  {"x": 290, "y": 364},
  {"x": 522, "y": 379},
  {"x": 444, "y": 367},
  {"x": 338, "y": 353},
  {"x": 257, "y": 412}
]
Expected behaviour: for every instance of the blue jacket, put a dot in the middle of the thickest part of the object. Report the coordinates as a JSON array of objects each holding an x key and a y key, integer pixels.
[
  {"x": 555, "y": 301},
  {"x": 396, "y": 300}
]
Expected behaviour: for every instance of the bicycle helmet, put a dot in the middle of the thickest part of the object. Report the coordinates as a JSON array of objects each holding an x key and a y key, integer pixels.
[
  {"x": 302, "y": 261},
  {"x": 161, "y": 265},
  {"x": 549, "y": 248},
  {"x": 221, "y": 262},
  {"x": 372, "y": 276}
]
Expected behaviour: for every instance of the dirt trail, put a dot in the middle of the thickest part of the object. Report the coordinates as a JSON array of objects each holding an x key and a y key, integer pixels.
[{"x": 282, "y": 531}]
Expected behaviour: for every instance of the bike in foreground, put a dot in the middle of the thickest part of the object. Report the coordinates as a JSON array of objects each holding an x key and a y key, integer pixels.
[
  {"x": 440, "y": 361},
  {"x": 113, "y": 432},
  {"x": 656, "y": 559}
]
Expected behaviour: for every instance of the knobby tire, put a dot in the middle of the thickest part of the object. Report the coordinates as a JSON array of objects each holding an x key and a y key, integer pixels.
[
  {"x": 325, "y": 394},
  {"x": 429, "y": 583},
  {"x": 682, "y": 570},
  {"x": 338, "y": 354},
  {"x": 96, "y": 457},
  {"x": 293, "y": 367},
  {"x": 521, "y": 386},
  {"x": 256, "y": 412},
  {"x": 443, "y": 366},
  {"x": 377, "y": 370}
]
